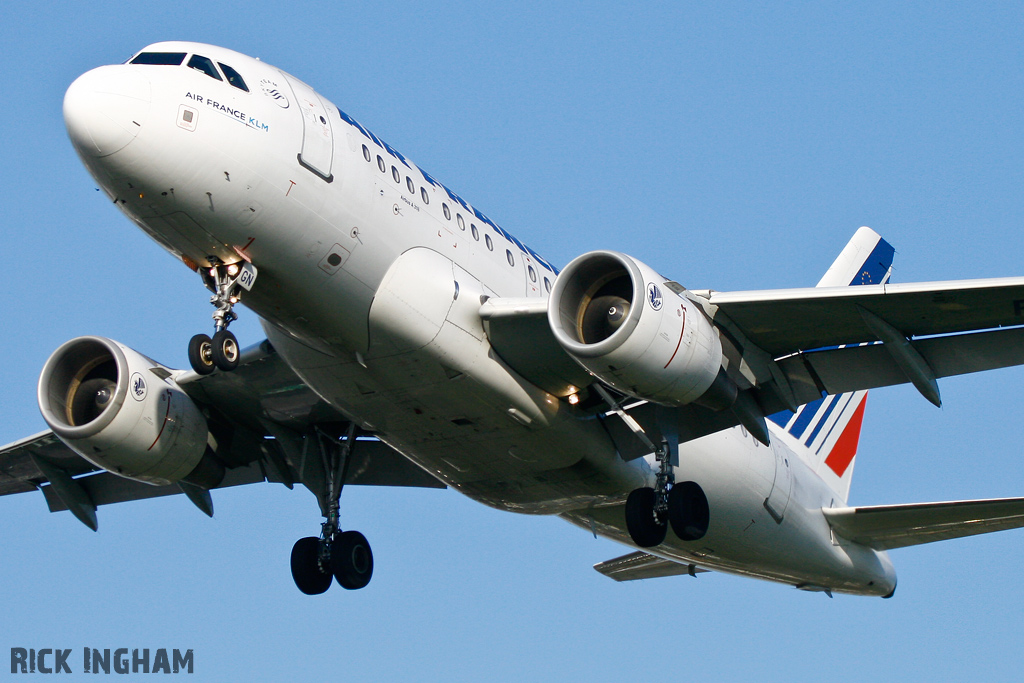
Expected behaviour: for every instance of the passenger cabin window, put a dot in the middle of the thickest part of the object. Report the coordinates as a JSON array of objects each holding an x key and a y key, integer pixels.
[
  {"x": 411, "y": 186},
  {"x": 160, "y": 58},
  {"x": 366, "y": 152},
  {"x": 489, "y": 242},
  {"x": 200, "y": 63},
  {"x": 233, "y": 77},
  {"x": 395, "y": 175},
  {"x": 381, "y": 165},
  {"x": 476, "y": 233},
  {"x": 462, "y": 222},
  {"x": 508, "y": 255},
  {"x": 447, "y": 211},
  {"x": 423, "y": 194}
]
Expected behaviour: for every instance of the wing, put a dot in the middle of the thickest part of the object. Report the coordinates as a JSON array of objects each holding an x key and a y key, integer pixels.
[
  {"x": 884, "y": 527},
  {"x": 273, "y": 427},
  {"x": 914, "y": 332},
  {"x": 786, "y": 321},
  {"x": 785, "y": 348}
]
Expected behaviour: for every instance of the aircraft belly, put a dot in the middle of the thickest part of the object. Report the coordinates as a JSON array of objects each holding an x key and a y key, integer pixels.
[{"x": 472, "y": 423}]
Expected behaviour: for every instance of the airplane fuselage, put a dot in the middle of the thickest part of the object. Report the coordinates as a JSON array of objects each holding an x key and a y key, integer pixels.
[{"x": 371, "y": 275}]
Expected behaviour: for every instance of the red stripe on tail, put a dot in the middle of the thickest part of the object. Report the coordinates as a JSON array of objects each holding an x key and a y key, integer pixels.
[{"x": 846, "y": 447}]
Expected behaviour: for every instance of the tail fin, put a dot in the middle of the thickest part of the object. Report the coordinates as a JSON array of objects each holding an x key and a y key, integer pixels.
[{"x": 826, "y": 432}]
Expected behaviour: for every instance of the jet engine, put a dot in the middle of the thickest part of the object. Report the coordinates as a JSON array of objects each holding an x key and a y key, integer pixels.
[
  {"x": 122, "y": 412},
  {"x": 632, "y": 329}
]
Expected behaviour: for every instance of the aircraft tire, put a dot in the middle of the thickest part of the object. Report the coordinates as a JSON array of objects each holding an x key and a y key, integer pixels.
[
  {"x": 200, "y": 354},
  {"x": 688, "y": 511},
  {"x": 306, "y": 571},
  {"x": 351, "y": 560},
  {"x": 225, "y": 351},
  {"x": 640, "y": 522}
]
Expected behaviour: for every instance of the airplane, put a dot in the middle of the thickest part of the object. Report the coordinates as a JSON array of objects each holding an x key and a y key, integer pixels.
[{"x": 412, "y": 341}]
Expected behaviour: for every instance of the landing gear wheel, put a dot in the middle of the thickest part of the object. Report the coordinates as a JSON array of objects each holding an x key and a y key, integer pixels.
[
  {"x": 351, "y": 560},
  {"x": 306, "y": 571},
  {"x": 200, "y": 354},
  {"x": 644, "y": 528},
  {"x": 688, "y": 511},
  {"x": 225, "y": 351}
]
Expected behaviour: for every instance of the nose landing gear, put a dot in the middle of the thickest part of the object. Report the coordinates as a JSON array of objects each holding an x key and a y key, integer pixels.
[{"x": 227, "y": 282}]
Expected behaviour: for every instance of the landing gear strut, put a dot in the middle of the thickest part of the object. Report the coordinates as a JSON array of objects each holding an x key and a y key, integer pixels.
[
  {"x": 647, "y": 508},
  {"x": 650, "y": 511},
  {"x": 227, "y": 282},
  {"x": 344, "y": 555}
]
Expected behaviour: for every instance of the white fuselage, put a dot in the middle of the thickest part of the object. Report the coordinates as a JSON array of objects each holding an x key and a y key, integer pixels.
[{"x": 371, "y": 278}]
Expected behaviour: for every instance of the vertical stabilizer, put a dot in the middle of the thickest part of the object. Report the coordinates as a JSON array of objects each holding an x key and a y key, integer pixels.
[{"x": 826, "y": 432}]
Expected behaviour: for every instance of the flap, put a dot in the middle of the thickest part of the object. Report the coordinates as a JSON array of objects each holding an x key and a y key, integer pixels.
[
  {"x": 853, "y": 368},
  {"x": 884, "y": 527}
]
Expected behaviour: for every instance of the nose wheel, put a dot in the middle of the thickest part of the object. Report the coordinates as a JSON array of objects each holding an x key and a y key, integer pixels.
[{"x": 206, "y": 354}]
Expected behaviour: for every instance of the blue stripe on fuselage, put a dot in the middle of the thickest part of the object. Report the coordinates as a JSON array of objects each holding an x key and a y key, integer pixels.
[{"x": 454, "y": 197}]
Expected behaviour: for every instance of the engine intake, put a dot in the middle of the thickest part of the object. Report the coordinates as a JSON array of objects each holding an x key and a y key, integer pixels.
[
  {"x": 627, "y": 326},
  {"x": 105, "y": 402}
]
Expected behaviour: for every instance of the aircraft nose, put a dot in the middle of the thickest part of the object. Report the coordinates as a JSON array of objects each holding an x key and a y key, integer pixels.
[{"x": 105, "y": 108}]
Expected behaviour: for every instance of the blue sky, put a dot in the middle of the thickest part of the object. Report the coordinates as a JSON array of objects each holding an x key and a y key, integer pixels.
[{"x": 732, "y": 147}]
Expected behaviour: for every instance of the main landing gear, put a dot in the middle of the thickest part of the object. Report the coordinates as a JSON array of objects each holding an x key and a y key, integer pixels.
[
  {"x": 342, "y": 555},
  {"x": 650, "y": 511},
  {"x": 205, "y": 354}
]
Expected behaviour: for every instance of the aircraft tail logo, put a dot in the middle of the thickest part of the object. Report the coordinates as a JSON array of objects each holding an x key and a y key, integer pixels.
[{"x": 827, "y": 431}]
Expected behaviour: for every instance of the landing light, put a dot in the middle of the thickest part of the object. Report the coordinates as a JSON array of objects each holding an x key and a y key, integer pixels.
[
  {"x": 233, "y": 270},
  {"x": 574, "y": 399}
]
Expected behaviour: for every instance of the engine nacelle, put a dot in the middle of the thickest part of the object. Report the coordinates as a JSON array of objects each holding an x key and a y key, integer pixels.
[
  {"x": 617, "y": 318},
  {"x": 105, "y": 402}
]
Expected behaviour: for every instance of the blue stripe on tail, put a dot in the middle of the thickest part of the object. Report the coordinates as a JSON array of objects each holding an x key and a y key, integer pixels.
[{"x": 873, "y": 271}]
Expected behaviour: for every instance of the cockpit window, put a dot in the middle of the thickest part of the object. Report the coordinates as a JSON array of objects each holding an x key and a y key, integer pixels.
[
  {"x": 160, "y": 58},
  {"x": 233, "y": 76},
  {"x": 200, "y": 63}
]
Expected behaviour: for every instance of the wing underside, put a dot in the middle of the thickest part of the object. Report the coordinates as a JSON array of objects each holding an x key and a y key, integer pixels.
[{"x": 273, "y": 428}]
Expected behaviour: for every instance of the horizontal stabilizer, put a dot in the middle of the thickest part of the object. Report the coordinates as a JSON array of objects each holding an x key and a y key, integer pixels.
[
  {"x": 641, "y": 565},
  {"x": 884, "y": 527}
]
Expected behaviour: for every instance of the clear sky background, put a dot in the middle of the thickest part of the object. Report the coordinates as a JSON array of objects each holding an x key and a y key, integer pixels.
[{"x": 731, "y": 147}]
